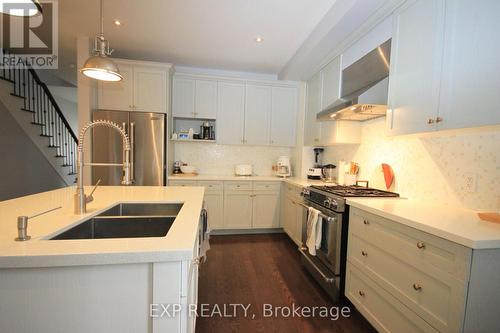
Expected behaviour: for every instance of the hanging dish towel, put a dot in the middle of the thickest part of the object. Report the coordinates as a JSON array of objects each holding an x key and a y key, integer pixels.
[{"x": 314, "y": 227}]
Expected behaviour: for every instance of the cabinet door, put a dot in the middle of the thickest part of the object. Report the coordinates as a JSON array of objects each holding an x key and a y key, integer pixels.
[
  {"x": 214, "y": 207},
  {"x": 206, "y": 99},
  {"x": 117, "y": 95},
  {"x": 415, "y": 73},
  {"x": 312, "y": 127},
  {"x": 150, "y": 89},
  {"x": 284, "y": 116},
  {"x": 330, "y": 83},
  {"x": 470, "y": 90},
  {"x": 183, "y": 98},
  {"x": 238, "y": 210},
  {"x": 230, "y": 113},
  {"x": 289, "y": 218},
  {"x": 257, "y": 114},
  {"x": 265, "y": 210}
]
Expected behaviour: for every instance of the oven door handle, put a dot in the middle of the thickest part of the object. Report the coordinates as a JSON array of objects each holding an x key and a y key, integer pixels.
[
  {"x": 325, "y": 217},
  {"x": 323, "y": 276}
]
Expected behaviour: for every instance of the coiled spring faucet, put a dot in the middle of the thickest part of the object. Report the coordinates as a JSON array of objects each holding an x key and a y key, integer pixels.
[{"x": 80, "y": 198}]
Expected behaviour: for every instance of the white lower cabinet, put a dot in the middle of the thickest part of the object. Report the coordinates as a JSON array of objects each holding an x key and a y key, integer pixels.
[
  {"x": 238, "y": 209},
  {"x": 405, "y": 280},
  {"x": 239, "y": 204},
  {"x": 292, "y": 213},
  {"x": 251, "y": 205}
]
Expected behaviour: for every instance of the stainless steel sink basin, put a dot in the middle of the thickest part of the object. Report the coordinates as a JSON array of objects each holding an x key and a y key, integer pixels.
[
  {"x": 126, "y": 220},
  {"x": 143, "y": 209}
]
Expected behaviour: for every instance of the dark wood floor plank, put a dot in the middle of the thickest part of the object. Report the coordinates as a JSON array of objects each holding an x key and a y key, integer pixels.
[{"x": 264, "y": 269}]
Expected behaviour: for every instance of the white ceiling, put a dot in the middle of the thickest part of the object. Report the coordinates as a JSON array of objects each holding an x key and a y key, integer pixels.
[{"x": 203, "y": 33}]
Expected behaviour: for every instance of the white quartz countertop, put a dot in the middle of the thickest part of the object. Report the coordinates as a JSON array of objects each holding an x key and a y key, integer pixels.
[
  {"x": 456, "y": 224},
  {"x": 290, "y": 180},
  {"x": 177, "y": 245}
]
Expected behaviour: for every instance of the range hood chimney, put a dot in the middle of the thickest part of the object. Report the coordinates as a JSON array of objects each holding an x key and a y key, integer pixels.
[{"x": 364, "y": 88}]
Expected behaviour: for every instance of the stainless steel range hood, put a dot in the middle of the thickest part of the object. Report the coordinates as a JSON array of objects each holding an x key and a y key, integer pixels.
[{"x": 364, "y": 88}]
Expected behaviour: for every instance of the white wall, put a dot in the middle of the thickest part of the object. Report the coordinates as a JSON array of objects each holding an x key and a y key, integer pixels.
[
  {"x": 214, "y": 159},
  {"x": 431, "y": 167}
]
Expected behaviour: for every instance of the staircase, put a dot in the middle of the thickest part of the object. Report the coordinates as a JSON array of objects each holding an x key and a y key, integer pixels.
[{"x": 30, "y": 102}]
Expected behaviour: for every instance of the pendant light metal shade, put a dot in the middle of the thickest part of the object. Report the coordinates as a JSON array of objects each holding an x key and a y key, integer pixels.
[
  {"x": 26, "y": 7},
  {"x": 100, "y": 66}
]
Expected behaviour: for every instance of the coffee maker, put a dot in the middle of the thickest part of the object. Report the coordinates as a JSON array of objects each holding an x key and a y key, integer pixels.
[
  {"x": 207, "y": 131},
  {"x": 283, "y": 167}
]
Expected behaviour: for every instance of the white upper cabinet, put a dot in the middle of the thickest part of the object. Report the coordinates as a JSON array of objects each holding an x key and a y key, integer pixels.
[
  {"x": 284, "y": 116},
  {"x": 206, "y": 99},
  {"x": 258, "y": 103},
  {"x": 183, "y": 97},
  {"x": 330, "y": 83},
  {"x": 312, "y": 127},
  {"x": 470, "y": 89},
  {"x": 416, "y": 58},
  {"x": 194, "y": 98},
  {"x": 150, "y": 89},
  {"x": 144, "y": 88},
  {"x": 231, "y": 113}
]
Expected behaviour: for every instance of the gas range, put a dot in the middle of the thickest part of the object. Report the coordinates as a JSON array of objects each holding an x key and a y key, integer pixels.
[{"x": 333, "y": 196}]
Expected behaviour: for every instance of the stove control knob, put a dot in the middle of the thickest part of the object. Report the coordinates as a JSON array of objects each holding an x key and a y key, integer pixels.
[
  {"x": 327, "y": 202},
  {"x": 305, "y": 192},
  {"x": 334, "y": 203}
]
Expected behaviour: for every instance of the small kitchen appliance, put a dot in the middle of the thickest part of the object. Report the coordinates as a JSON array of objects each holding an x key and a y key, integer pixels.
[
  {"x": 243, "y": 170},
  {"x": 207, "y": 131},
  {"x": 284, "y": 168},
  {"x": 315, "y": 171},
  {"x": 328, "y": 266},
  {"x": 328, "y": 173}
]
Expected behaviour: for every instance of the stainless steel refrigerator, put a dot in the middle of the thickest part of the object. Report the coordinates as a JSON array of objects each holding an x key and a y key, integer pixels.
[{"x": 147, "y": 137}]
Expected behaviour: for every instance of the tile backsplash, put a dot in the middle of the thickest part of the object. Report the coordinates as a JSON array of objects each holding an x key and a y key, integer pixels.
[
  {"x": 431, "y": 167},
  {"x": 214, "y": 159}
]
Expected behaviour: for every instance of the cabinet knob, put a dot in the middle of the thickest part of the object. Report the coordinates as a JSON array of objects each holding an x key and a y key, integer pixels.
[
  {"x": 421, "y": 245},
  {"x": 439, "y": 119},
  {"x": 130, "y": 106},
  {"x": 430, "y": 121},
  {"x": 364, "y": 253},
  {"x": 361, "y": 293},
  {"x": 366, "y": 222},
  {"x": 417, "y": 287}
]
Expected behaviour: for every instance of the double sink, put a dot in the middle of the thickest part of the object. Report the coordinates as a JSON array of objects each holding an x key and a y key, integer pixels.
[{"x": 126, "y": 220}]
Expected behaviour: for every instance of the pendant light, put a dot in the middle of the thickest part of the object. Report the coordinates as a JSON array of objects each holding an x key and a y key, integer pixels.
[
  {"x": 26, "y": 7},
  {"x": 100, "y": 66}
]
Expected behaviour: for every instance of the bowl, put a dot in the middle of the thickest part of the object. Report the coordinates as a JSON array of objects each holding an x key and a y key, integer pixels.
[{"x": 188, "y": 169}]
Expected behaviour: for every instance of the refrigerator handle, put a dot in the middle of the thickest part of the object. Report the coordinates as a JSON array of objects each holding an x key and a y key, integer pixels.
[{"x": 132, "y": 151}]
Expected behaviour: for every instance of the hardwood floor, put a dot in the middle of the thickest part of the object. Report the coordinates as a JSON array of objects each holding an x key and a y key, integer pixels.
[{"x": 258, "y": 270}]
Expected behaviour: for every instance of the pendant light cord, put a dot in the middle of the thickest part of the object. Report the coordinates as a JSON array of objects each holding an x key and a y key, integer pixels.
[{"x": 102, "y": 19}]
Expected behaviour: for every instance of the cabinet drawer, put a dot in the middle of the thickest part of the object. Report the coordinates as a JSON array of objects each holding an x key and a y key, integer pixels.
[
  {"x": 212, "y": 186},
  {"x": 292, "y": 191},
  {"x": 238, "y": 186},
  {"x": 410, "y": 245},
  {"x": 266, "y": 186},
  {"x": 182, "y": 183},
  {"x": 434, "y": 295},
  {"x": 381, "y": 309}
]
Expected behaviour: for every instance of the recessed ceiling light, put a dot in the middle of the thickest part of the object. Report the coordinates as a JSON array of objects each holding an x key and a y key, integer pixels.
[
  {"x": 259, "y": 39},
  {"x": 117, "y": 23}
]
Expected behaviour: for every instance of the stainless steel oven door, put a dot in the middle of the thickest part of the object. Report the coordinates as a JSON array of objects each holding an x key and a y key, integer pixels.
[{"x": 329, "y": 251}]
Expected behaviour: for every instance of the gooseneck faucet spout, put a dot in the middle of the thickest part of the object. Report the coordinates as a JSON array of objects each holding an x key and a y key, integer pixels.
[{"x": 80, "y": 198}]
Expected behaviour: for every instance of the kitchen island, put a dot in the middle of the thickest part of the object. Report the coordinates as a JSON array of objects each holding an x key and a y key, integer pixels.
[{"x": 98, "y": 285}]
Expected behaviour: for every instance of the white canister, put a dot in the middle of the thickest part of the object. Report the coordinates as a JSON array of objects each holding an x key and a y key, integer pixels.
[{"x": 350, "y": 179}]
